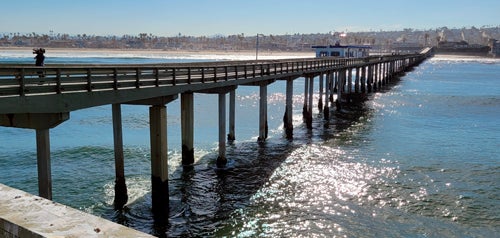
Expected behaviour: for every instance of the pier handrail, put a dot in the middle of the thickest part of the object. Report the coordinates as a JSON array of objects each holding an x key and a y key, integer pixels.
[
  {"x": 26, "y": 80},
  {"x": 67, "y": 87}
]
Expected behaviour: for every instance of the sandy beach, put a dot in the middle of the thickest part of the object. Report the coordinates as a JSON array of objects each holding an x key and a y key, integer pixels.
[{"x": 69, "y": 52}]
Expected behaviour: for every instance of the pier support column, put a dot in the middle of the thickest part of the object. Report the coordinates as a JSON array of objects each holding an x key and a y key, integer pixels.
[
  {"x": 363, "y": 79},
  {"x": 320, "y": 100},
  {"x": 121, "y": 196},
  {"x": 335, "y": 82},
  {"x": 159, "y": 159},
  {"x": 310, "y": 102},
  {"x": 43, "y": 162},
  {"x": 369, "y": 79},
  {"x": 340, "y": 89},
  {"x": 288, "y": 118},
  {"x": 356, "y": 80},
  {"x": 232, "y": 112},
  {"x": 349, "y": 80},
  {"x": 306, "y": 97},
  {"x": 187, "y": 121},
  {"x": 332, "y": 85},
  {"x": 221, "y": 159},
  {"x": 263, "y": 129},
  {"x": 326, "y": 109}
]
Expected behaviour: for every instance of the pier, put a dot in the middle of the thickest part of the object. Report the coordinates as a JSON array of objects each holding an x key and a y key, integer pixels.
[{"x": 41, "y": 98}]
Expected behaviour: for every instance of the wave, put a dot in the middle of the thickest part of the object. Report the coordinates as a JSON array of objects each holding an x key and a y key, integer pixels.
[{"x": 464, "y": 59}]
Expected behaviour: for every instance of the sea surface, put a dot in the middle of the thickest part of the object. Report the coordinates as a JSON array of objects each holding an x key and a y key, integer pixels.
[{"x": 419, "y": 159}]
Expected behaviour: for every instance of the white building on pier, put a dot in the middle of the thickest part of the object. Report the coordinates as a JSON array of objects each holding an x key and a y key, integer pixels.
[{"x": 342, "y": 51}]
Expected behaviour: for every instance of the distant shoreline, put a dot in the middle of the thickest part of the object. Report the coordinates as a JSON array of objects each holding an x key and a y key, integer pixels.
[{"x": 263, "y": 53}]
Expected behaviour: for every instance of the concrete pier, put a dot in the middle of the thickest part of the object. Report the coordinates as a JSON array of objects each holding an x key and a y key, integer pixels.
[
  {"x": 29, "y": 216},
  {"x": 24, "y": 104}
]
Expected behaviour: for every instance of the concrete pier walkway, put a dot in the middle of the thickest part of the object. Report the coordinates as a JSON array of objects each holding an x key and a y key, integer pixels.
[{"x": 29, "y": 216}]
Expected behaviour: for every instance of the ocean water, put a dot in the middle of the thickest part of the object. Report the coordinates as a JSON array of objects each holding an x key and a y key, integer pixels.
[{"x": 419, "y": 159}]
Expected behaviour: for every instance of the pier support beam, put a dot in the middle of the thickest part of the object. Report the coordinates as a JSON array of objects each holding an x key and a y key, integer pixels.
[
  {"x": 363, "y": 79},
  {"x": 43, "y": 162},
  {"x": 320, "y": 100},
  {"x": 326, "y": 109},
  {"x": 232, "y": 112},
  {"x": 310, "y": 96},
  {"x": 306, "y": 97},
  {"x": 288, "y": 118},
  {"x": 369, "y": 79},
  {"x": 121, "y": 196},
  {"x": 340, "y": 89},
  {"x": 356, "y": 81},
  {"x": 187, "y": 127},
  {"x": 221, "y": 159},
  {"x": 263, "y": 129},
  {"x": 159, "y": 159}
]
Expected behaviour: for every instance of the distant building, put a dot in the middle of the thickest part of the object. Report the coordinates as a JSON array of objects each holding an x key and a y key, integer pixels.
[
  {"x": 461, "y": 48},
  {"x": 342, "y": 51},
  {"x": 495, "y": 48}
]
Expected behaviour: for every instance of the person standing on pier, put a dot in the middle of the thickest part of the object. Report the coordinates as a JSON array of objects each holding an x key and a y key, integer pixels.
[{"x": 39, "y": 58}]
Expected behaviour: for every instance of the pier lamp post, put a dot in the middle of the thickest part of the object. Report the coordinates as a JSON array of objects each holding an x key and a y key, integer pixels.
[{"x": 257, "y": 47}]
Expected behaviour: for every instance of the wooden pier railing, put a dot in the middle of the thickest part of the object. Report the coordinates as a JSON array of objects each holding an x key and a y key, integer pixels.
[{"x": 21, "y": 82}]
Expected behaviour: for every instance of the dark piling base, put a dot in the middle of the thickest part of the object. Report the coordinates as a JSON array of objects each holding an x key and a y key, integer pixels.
[
  {"x": 121, "y": 196},
  {"x": 221, "y": 162},
  {"x": 159, "y": 197},
  {"x": 326, "y": 113},
  {"x": 287, "y": 126},
  {"x": 338, "y": 105},
  {"x": 187, "y": 156}
]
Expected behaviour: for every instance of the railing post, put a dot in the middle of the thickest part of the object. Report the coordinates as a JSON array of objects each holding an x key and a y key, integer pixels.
[
  {"x": 203, "y": 74},
  {"x": 58, "y": 81},
  {"x": 174, "y": 82},
  {"x": 89, "y": 80},
  {"x": 137, "y": 77},
  {"x": 115, "y": 79},
  {"x": 22, "y": 85},
  {"x": 157, "y": 77}
]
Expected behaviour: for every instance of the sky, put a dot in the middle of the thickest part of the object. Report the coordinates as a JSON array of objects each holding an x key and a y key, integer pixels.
[{"x": 248, "y": 17}]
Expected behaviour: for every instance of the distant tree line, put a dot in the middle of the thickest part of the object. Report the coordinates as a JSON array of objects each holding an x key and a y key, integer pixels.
[{"x": 289, "y": 42}]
